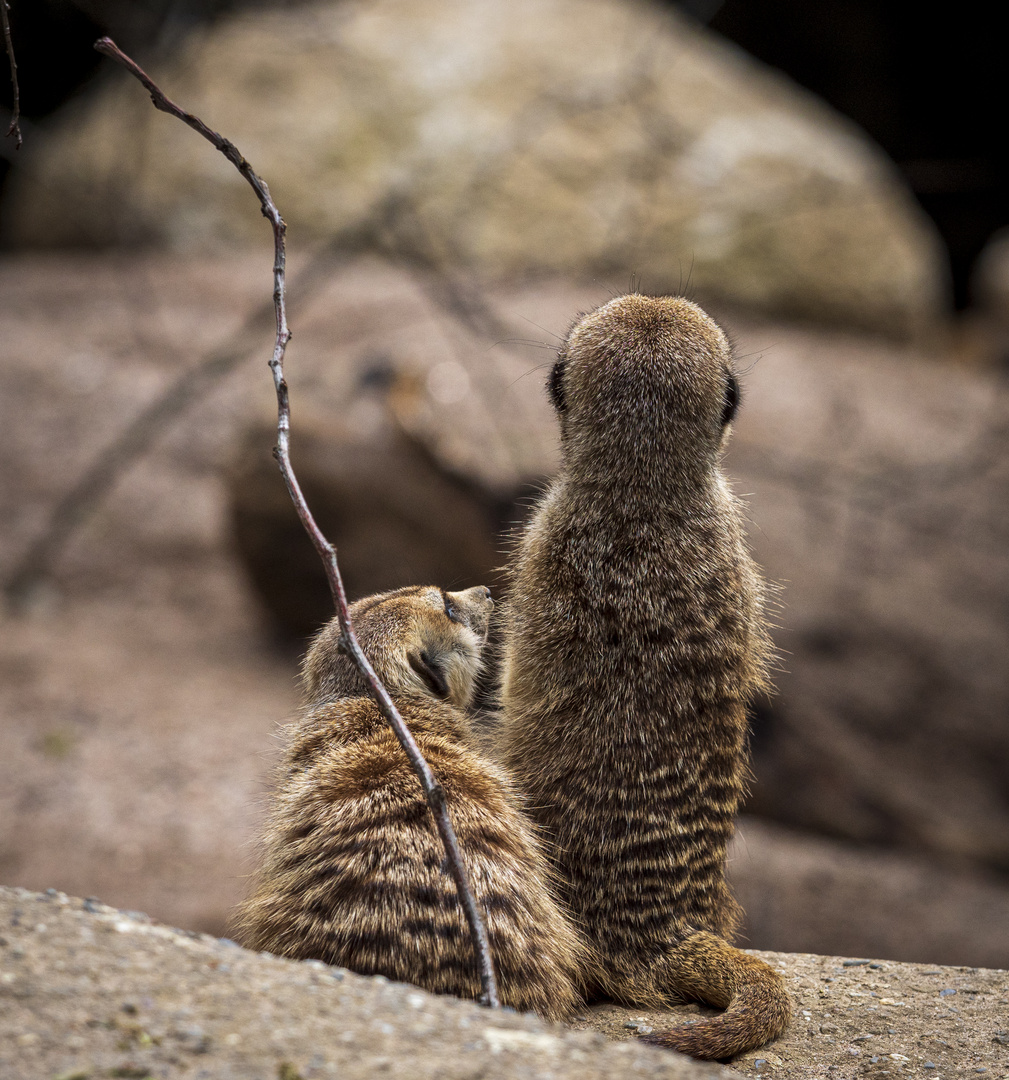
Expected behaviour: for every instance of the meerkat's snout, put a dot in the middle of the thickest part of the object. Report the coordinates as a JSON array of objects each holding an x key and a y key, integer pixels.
[{"x": 472, "y": 607}]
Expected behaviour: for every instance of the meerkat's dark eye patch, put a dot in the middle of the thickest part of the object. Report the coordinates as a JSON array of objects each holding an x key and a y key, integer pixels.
[
  {"x": 731, "y": 404},
  {"x": 428, "y": 667},
  {"x": 450, "y": 610},
  {"x": 555, "y": 384}
]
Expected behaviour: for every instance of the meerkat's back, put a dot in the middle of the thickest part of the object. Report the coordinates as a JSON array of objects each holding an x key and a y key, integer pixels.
[
  {"x": 353, "y": 871},
  {"x": 634, "y": 640}
]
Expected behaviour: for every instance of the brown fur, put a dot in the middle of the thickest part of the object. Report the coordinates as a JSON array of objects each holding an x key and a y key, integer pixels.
[
  {"x": 353, "y": 870},
  {"x": 634, "y": 639}
]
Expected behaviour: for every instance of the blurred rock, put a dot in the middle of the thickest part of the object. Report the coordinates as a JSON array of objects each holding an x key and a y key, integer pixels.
[
  {"x": 395, "y": 518},
  {"x": 420, "y": 448},
  {"x": 803, "y": 893},
  {"x": 881, "y": 502},
  {"x": 138, "y": 708},
  {"x": 985, "y": 327},
  {"x": 880, "y": 486},
  {"x": 990, "y": 281},
  {"x": 580, "y": 137}
]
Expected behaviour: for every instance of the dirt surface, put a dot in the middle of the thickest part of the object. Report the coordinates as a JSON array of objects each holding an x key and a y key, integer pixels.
[
  {"x": 140, "y": 691},
  {"x": 89, "y": 992}
]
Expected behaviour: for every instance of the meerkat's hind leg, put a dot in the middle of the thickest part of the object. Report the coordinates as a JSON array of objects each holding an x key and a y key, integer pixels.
[{"x": 706, "y": 968}]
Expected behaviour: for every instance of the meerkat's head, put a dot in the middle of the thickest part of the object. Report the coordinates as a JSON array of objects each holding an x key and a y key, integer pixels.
[
  {"x": 648, "y": 372},
  {"x": 420, "y": 640}
]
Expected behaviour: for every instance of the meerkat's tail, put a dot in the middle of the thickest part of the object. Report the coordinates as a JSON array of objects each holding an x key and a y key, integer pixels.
[{"x": 757, "y": 1008}]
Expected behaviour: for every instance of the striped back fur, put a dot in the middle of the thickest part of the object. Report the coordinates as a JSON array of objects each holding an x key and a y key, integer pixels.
[
  {"x": 352, "y": 870},
  {"x": 634, "y": 640}
]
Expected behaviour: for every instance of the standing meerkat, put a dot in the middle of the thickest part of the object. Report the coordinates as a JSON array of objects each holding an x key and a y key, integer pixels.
[
  {"x": 634, "y": 639},
  {"x": 353, "y": 870}
]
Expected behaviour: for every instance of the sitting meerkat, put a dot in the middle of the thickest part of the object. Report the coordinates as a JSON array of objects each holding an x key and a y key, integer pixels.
[
  {"x": 353, "y": 870},
  {"x": 634, "y": 640}
]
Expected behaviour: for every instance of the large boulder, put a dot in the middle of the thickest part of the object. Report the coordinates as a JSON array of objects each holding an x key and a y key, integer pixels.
[{"x": 583, "y": 137}]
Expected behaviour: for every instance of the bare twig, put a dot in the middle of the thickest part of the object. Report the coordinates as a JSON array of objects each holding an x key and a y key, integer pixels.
[
  {"x": 15, "y": 126},
  {"x": 432, "y": 789}
]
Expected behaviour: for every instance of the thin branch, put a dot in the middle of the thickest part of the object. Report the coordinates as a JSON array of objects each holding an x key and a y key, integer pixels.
[
  {"x": 15, "y": 125},
  {"x": 432, "y": 789}
]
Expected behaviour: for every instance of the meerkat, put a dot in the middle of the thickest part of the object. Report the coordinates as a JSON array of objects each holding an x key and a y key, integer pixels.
[
  {"x": 634, "y": 637},
  {"x": 353, "y": 871}
]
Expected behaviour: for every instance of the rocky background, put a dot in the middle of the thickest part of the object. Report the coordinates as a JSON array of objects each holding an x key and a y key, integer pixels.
[{"x": 460, "y": 180}]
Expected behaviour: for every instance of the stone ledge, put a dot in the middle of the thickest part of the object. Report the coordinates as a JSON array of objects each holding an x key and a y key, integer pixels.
[
  {"x": 90, "y": 992},
  {"x": 869, "y": 1018}
]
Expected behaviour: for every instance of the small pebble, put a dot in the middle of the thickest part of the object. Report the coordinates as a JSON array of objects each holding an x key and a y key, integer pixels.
[
  {"x": 946, "y": 992},
  {"x": 632, "y": 1024},
  {"x": 853, "y": 963},
  {"x": 981, "y": 1068},
  {"x": 928, "y": 1065},
  {"x": 91, "y": 905}
]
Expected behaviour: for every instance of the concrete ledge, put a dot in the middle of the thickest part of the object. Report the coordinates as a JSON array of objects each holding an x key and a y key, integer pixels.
[{"x": 87, "y": 991}]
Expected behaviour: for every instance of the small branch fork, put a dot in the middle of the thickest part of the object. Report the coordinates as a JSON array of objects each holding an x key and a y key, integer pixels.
[
  {"x": 15, "y": 125},
  {"x": 432, "y": 789}
]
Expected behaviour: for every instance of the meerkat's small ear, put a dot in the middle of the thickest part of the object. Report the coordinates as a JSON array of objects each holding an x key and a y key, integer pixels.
[
  {"x": 428, "y": 666},
  {"x": 730, "y": 405},
  {"x": 555, "y": 385}
]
